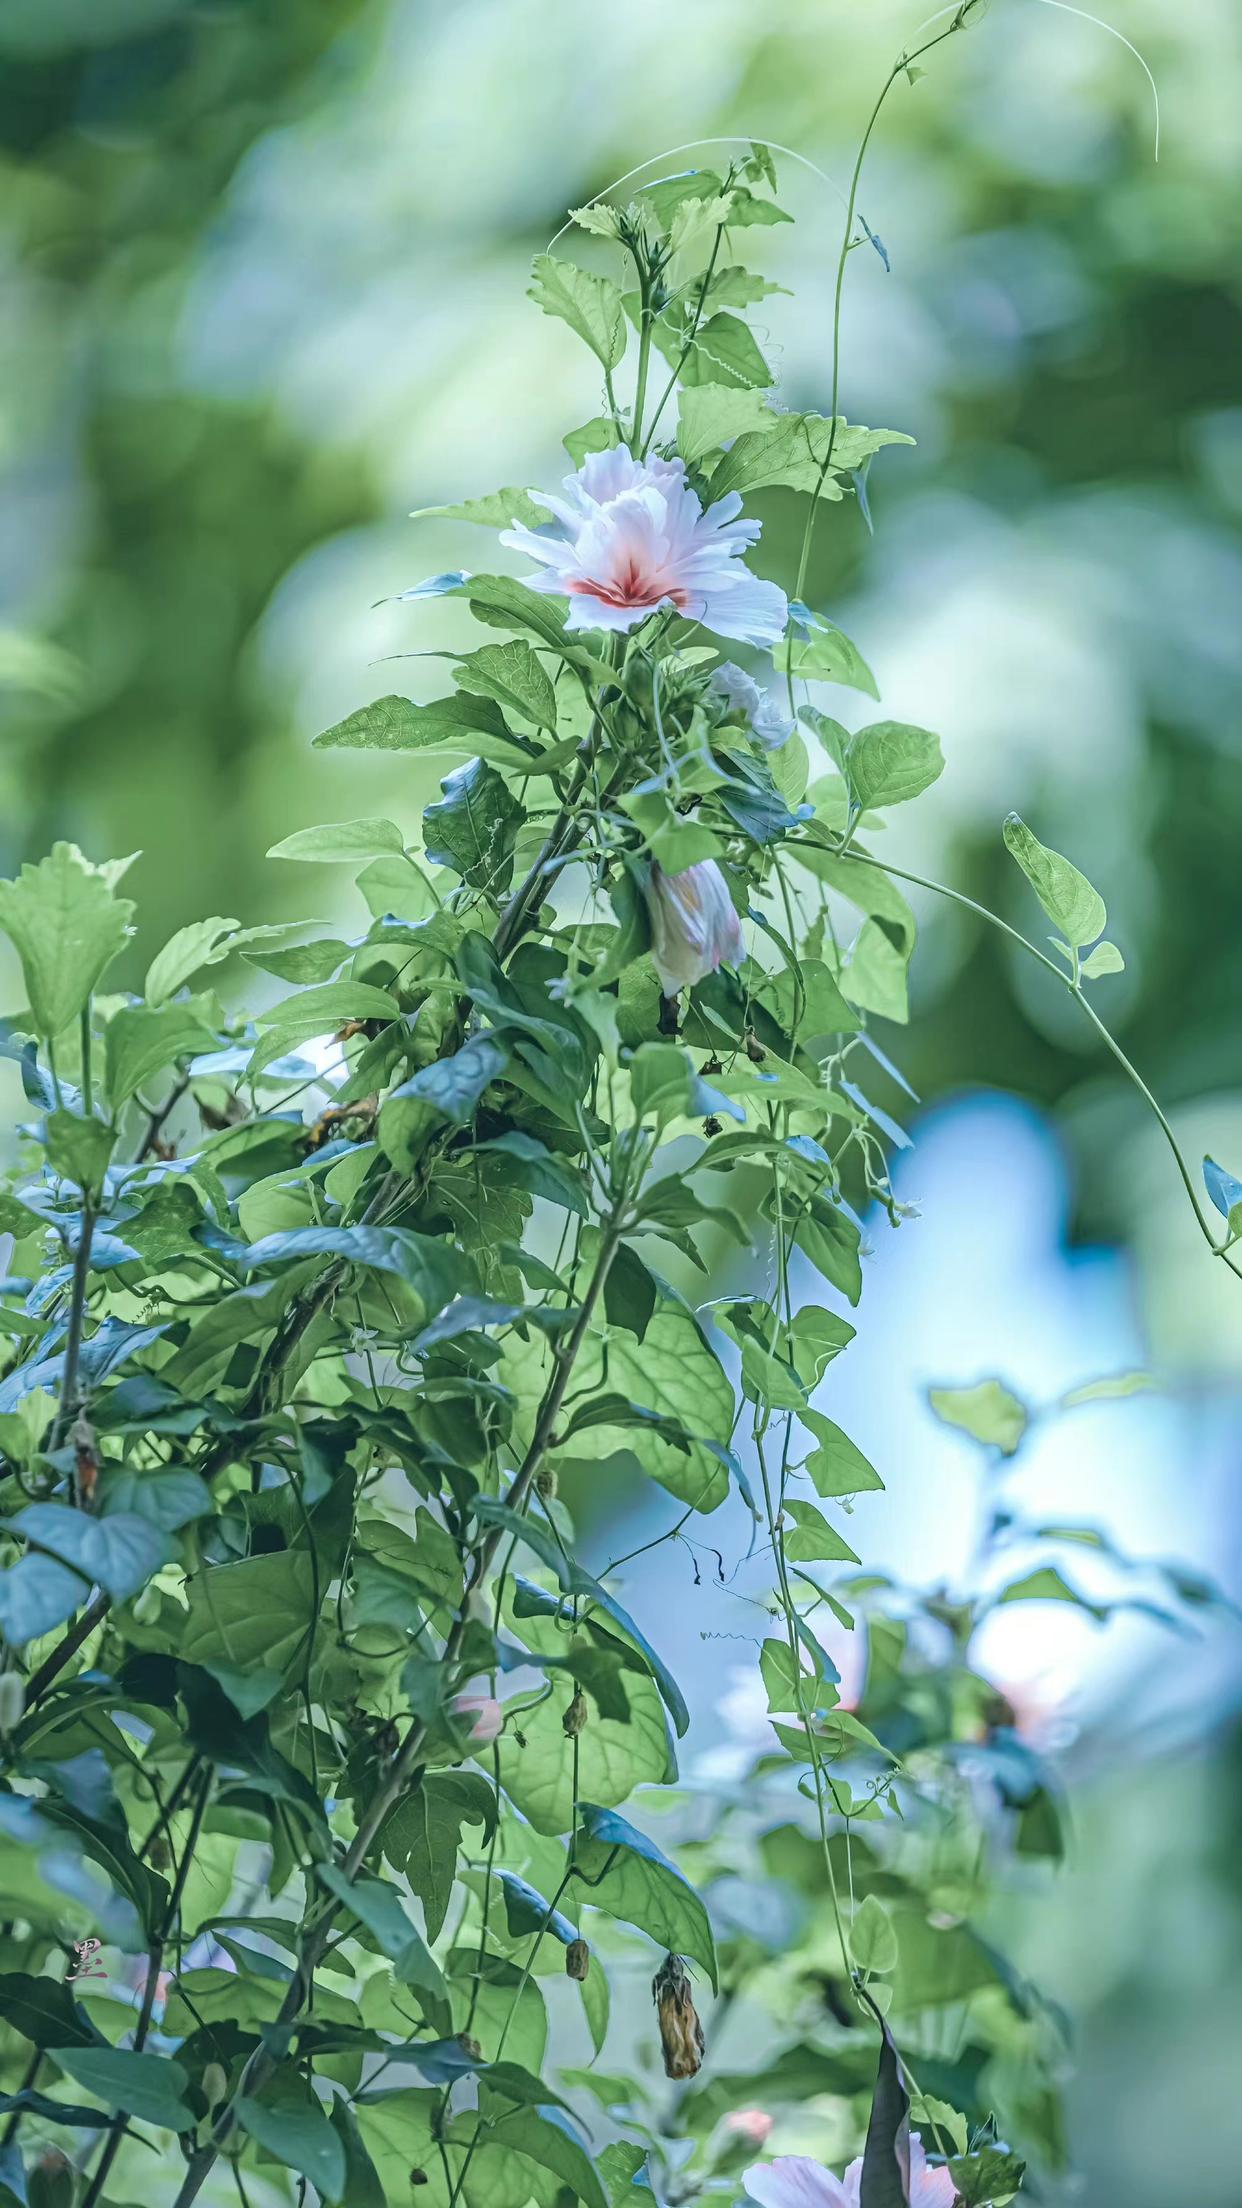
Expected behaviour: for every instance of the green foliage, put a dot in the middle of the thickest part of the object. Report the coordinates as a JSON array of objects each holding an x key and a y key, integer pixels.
[{"x": 301, "y": 1667}]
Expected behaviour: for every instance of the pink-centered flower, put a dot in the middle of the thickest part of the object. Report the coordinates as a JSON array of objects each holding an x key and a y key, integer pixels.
[
  {"x": 481, "y": 1714},
  {"x": 694, "y": 926},
  {"x": 794, "y": 2181},
  {"x": 630, "y": 536}
]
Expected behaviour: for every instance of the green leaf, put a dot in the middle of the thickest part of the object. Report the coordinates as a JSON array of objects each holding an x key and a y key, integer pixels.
[
  {"x": 712, "y": 413},
  {"x": 723, "y": 351},
  {"x": 423, "y": 1834},
  {"x": 547, "y": 2138},
  {"x": 37, "y": 1595},
  {"x": 815, "y": 651},
  {"x": 830, "y": 1239},
  {"x": 1104, "y": 959},
  {"x": 301, "y": 2138},
  {"x": 512, "y": 675},
  {"x": 814, "y": 1541},
  {"x": 472, "y": 827},
  {"x": 434, "y": 1269},
  {"x": 1048, "y": 1585},
  {"x": 362, "y": 2187},
  {"x": 665, "y": 1083},
  {"x": 397, "y": 724},
  {"x": 873, "y": 1942},
  {"x": 44, "y": 2011},
  {"x": 80, "y": 1147},
  {"x": 317, "y": 1011},
  {"x": 254, "y": 1615},
  {"x": 989, "y": 1412},
  {"x": 121, "y": 1551},
  {"x": 836, "y": 1466},
  {"x": 66, "y": 924},
  {"x": 591, "y": 305},
  {"x": 537, "y": 1765},
  {"x": 504, "y": 603},
  {"x": 1066, "y": 895},
  {"x": 625, "y": 1874},
  {"x": 890, "y": 762},
  {"x": 144, "y": 1039},
  {"x": 495, "y": 510},
  {"x": 202, "y": 943},
  {"x": 451, "y": 1087},
  {"x": 790, "y": 449},
  {"x": 340, "y": 840},
  {"x": 147, "y": 2087},
  {"x": 378, "y": 1906}
]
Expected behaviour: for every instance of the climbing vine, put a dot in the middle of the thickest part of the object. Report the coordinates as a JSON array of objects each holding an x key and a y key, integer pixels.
[{"x": 326, "y": 1756}]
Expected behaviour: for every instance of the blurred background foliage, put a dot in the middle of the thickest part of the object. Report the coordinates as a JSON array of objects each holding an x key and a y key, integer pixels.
[{"x": 264, "y": 263}]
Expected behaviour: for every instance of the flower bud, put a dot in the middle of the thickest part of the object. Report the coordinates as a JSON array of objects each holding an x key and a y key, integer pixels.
[
  {"x": 694, "y": 927},
  {"x": 749, "y": 2125},
  {"x": 577, "y": 1960},
  {"x": 12, "y": 1700},
  {"x": 575, "y": 1716},
  {"x": 215, "y": 2083},
  {"x": 480, "y": 1714},
  {"x": 681, "y": 2034}
]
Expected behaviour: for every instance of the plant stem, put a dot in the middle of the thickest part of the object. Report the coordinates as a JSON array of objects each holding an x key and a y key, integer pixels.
[
  {"x": 644, "y": 358},
  {"x": 155, "y": 1957},
  {"x": 1076, "y": 991},
  {"x": 405, "y": 1763},
  {"x": 73, "y": 1338}
]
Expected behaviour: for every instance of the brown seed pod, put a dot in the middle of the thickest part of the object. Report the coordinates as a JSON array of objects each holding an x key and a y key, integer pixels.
[
  {"x": 546, "y": 1485},
  {"x": 470, "y": 2047},
  {"x": 681, "y": 2034},
  {"x": 575, "y": 1716},
  {"x": 711, "y": 1125},
  {"x": 419, "y": 2177},
  {"x": 577, "y": 1960},
  {"x": 754, "y": 1048}
]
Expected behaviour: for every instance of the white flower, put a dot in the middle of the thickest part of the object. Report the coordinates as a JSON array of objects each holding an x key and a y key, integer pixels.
[
  {"x": 694, "y": 927},
  {"x": 631, "y": 536},
  {"x": 794, "y": 2181},
  {"x": 768, "y": 725}
]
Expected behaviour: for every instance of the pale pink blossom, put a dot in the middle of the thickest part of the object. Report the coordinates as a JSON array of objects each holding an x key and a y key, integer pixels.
[
  {"x": 487, "y": 1718},
  {"x": 749, "y": 2124},
  {"x": 794, "y": 2181},
  {"x": 694, "y": 926},
  {"x": 630, "y": 536}
]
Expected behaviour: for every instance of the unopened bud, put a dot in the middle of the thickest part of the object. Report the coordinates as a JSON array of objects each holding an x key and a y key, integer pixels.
[
  {"x": 419, "y": 2177},
  {"x": 575, "y": 1716},
  {"x": 681, "y": 2034},
  {"x": 577, "y": 1960},
  {"x": 215, "y": 2084},
  {"x": 12, "y": 1700},
  {"x": 546, "y": 1485}
]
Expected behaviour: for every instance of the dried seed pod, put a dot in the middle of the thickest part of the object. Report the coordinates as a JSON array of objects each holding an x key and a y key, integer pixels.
[
  {"x": 470, "y": 2047},
  {"x": 711, "y": 1125},
  {"x": 577, "y": 1960},
  {"x": 681, "y": 2034},
  {"x": 86, "y": 1462},
  {"x": 754, "y": 1048},
  {"x": 545, "y": 1485},
  {"x": 575, "y": 1716},
  {"x": 419, "y": 2177}
]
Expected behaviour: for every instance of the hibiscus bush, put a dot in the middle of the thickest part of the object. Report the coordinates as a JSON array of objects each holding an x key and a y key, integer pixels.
[{"x": 330, "y": 1767}]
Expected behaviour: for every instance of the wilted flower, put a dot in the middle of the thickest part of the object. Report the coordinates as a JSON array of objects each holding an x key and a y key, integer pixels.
[
  {"x": 681, "y": 2034},
  {"x": 577, "y": 1960},
  {"x": 749, "y": 2124},
  {"x": 485, "y": 1715},
  {"x": 794, "y": 2181},
  {"x": 694, "y": 927},
  {"x": 631, "y": 536},
  {"x": 768, "y": 725}
]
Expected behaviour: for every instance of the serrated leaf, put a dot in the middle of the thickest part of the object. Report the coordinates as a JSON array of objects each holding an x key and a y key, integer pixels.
[
  {"x": 890, "y": 762},
  {"x": 514, "y": 676},
  {"x": 397, "y": 724},
  {"x": 814, "y": 651},
  {"x": 494, "y": 510},
  {"x": 591, "y": 305},
  {"x": 142, "y": 1040},
  {"x": 471, "y": 829},
  {"x": 66, "y": 924}
]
